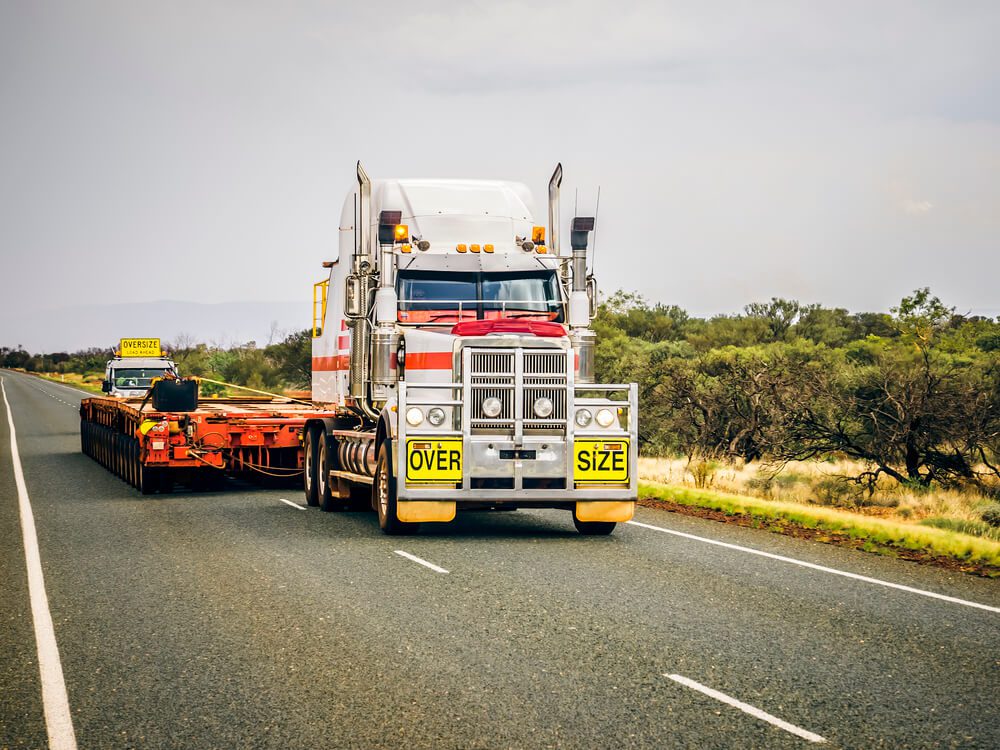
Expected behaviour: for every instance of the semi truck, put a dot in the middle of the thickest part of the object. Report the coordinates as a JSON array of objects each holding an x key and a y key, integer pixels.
[{"x": 452, "y": 369}]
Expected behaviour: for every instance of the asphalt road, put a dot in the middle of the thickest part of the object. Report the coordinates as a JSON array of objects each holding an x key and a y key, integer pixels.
[{"x": 233, "y": 620}]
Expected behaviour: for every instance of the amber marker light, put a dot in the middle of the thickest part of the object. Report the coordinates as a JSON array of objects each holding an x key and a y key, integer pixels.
[
  {"x": 405, "y": 249},
  {"x": 401, "y": 232},
  {"x": 538, "y": 235},
  {"x": 487, "y": 248},
  {"x": 474, "y": 248},
  {"x": 461, "y": 247}
]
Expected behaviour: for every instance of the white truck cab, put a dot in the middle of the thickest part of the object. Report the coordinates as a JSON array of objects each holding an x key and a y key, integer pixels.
[{"x": 136, "y": 363}]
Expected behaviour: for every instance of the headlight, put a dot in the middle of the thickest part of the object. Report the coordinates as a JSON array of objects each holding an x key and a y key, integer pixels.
[
  {"x": 605, "y": 417},
  {"x": 543, "y": 407},
  {"x": 584, "y": 417},
  {"x": 436, "y": 416},
  {"x": 491, "y": 407},
  {"x": 414, "y": 417}
]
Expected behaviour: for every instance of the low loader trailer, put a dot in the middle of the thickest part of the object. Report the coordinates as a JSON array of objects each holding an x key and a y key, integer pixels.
[
  {"x": 452, "y": 369},
  {"x": 152, "y": 447}
]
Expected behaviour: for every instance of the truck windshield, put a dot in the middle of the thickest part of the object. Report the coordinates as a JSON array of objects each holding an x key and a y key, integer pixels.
[
  {"x": 435, "y": 297},
  {"x": 136, "y": 377}
]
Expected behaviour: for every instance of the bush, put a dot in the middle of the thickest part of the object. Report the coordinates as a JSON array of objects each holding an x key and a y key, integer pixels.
[
  {"x": 837, "y": 491},
  {"x": 991, "y": 515}
]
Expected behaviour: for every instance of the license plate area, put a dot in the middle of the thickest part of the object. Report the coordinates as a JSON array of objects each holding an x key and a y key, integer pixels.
[
  {"x": 601, "y": 461},
  {"x": 433, "y": 461}
]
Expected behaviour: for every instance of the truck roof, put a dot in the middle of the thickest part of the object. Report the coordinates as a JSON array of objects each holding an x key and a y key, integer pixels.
[
  {"x": 149, "y": 362},
  {"x": 446, "y": 212}
]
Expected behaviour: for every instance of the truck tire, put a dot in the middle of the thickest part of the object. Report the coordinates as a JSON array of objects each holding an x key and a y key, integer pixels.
[
  {"x": 148, "y": 480},
  {"x": 384, "y": 495},
  {"x": 328, "y": 501},
  {"x": 309, "y": 472},
  {"x": 594, "y": 528}
]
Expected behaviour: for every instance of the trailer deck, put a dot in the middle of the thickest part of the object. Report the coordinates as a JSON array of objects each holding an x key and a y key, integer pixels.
[{"x": 152, "y": 449}]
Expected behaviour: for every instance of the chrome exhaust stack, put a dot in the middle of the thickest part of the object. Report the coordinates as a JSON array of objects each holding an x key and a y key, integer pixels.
[
  {"x": 582, "y": 338},
  {"x": 359, "y": 289}
]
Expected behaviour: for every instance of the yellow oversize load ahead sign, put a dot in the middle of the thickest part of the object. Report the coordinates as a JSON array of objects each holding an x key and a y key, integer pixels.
[{"x": 140, "y": 348}]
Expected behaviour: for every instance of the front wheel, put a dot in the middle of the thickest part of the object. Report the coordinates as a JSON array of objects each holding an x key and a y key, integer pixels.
[
  {"x": 594, "y": 528},
  {"x": 384, "y": 495}
]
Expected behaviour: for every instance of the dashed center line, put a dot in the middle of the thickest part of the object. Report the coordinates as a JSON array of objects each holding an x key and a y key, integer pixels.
[
  {"x": 421, "y": 561},
  {"x": 294, "y": 505},
  {"x": 821, "y": 568},
  {"x": 746, "y": 708}
]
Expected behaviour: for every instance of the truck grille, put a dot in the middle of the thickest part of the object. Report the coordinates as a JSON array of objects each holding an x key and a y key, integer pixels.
[{"x": 493, "y": 373}]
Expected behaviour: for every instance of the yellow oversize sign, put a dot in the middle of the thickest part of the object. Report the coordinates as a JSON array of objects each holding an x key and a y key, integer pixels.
[
  {"x": 434, "y": 461},
  {"x": 140, "y": 348},
  {"x": 601, "y": 461}
]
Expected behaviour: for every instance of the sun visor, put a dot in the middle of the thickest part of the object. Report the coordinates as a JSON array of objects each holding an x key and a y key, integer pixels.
[{"x": 471, "y": 263}]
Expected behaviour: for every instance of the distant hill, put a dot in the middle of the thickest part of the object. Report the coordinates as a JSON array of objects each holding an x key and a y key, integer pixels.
[{"x": 83, "y": 326}]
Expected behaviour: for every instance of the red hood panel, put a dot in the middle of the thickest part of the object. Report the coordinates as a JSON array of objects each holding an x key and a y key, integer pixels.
[{"x": 486, "y": 327}]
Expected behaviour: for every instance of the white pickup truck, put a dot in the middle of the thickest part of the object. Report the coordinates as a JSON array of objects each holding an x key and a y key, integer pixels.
[{"x": 129, "y": 375}]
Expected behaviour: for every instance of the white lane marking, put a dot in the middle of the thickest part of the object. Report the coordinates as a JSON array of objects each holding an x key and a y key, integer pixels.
[
  {"x": 420, "y": 561},
  {"x": 76, "y": 391},
  {"x": 289, "y": 502},
  {"x": 55, "y": 702},
  {"x": 747, "y": 708},
  {"x": 821, "y": 568}
]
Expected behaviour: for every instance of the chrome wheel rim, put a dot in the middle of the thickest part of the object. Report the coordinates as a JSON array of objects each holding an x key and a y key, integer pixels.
[
  {"x": 320, "y": 469},
  {"x": 383, "y": 490},
  {"x": 308, "y": 464}
]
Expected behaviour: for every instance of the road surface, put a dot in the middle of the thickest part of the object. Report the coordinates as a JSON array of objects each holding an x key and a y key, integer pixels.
[{"x": 243, "y": 620}]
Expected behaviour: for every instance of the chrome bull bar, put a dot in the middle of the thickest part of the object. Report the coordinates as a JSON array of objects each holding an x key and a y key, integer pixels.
[{"x": 486, "y": 455}]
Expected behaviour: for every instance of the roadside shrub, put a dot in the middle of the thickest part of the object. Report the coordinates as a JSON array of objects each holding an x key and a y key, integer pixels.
[
  {"x": 839, "y": 492},
  {"x": 962, "y": 526},
  {"x": 703, "y": 471},
  {"x": 991, "y": 515}
]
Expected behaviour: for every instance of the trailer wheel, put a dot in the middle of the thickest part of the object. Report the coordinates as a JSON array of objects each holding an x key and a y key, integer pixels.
[
  {"x": 149, "y": 479},
  {"x": 309, "y": 473},
  {"x": 384, "y": 495},
  {"x": 594, "y": 528},
  {"x": 132, "y": 458}
]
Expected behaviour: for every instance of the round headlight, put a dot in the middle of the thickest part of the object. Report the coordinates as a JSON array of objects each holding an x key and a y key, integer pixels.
[
  {"x": 584, "y": 417},
  {"x": 436, "y": 416},
  {"x": 543, "y": 407},
  {"x": 605, "y": 417},
  {"x": 491, "y": 407},
  {"x": 414, "y": 417}
]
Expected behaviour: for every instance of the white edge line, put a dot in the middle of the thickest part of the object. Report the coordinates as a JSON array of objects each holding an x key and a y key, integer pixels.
[
  {"x": 821, "y": 568},
  {"x": 421, "y": 561},
  {"x": 747, "y": 708},
  {"x": 294, "y": 505},
  {"x": 55, "y": 702}
]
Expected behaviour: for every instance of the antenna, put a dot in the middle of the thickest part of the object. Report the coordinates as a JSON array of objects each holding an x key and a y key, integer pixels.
[
  {"x": 576, "y": 200},
  {"x": 597, "y": 213}
]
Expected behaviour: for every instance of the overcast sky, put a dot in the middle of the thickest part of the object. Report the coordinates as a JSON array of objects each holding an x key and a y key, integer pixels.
[{"x": 836, "y": 152}]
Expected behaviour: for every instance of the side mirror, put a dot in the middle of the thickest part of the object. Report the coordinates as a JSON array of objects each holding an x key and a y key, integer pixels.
[
  {"x": 106, "y": 386},
  {"x": 353, "y": 306},
  {"x": 592, "y": 295}
]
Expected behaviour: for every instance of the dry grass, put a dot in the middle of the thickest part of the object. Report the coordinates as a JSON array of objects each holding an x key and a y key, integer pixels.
[
  {"x": 878, "y": 535},
  {"x": 817, "y": 483}
]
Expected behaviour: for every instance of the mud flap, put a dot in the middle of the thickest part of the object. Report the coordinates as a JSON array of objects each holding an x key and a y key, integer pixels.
[
  {"x": 605, "y": 510},
  {"x": 421, "y": 511}
]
